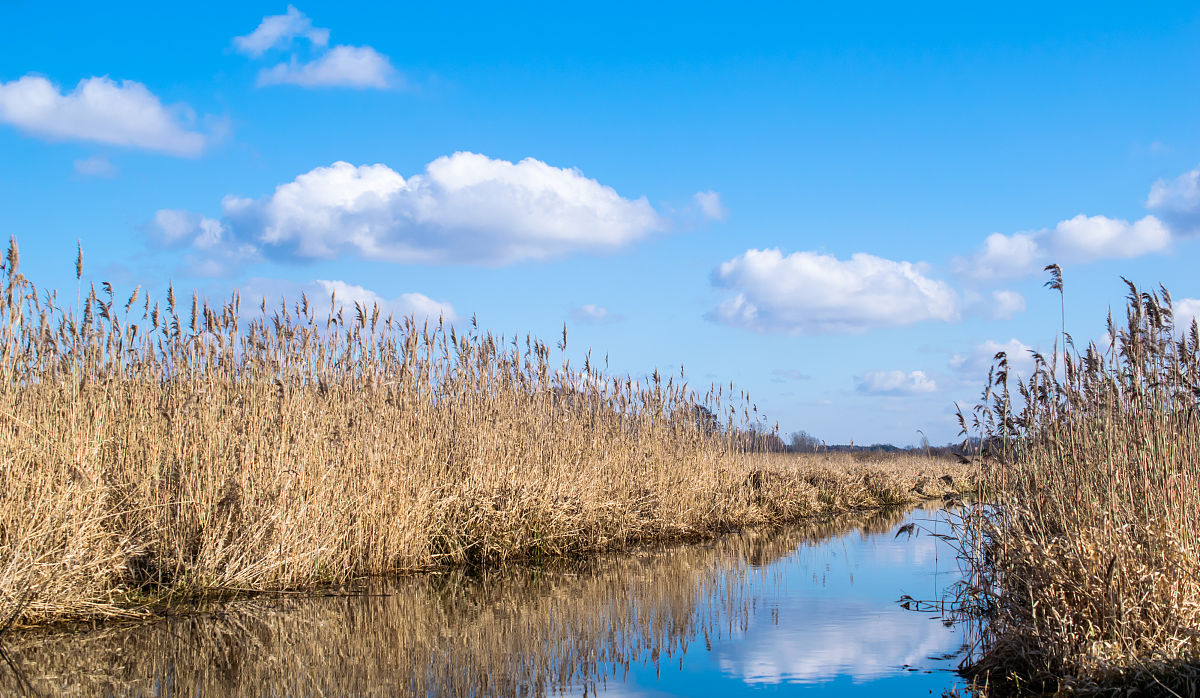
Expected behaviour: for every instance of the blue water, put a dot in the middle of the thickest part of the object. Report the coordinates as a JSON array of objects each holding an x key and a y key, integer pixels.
[
  {"x": 827, "y": 622},
  {"x": 804, "y": 610}
]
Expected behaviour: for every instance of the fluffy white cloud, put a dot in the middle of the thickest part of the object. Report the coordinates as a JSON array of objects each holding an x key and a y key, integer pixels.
[
  {"x": 99, "y": 109},
  {"x": 211, "y": 249},
  {"x": 895, "y": 383},
  {"x": 465, "y": 208},
  {"x": 95, "y": 166},
  {"x": 594, "y": 314},
  {"x": 1187, "y": 311},
  {"x": 1079, "y": 239},
  {"x": 812, "y": 293},
  {"x": 1006, "y": 304},
  {"x": 340, "y": 66},
  {"x": 279, "y": 30},
  {"x": 321, "y": 291},
  {"x": 974, "y": 365},
  {"x": 1178, "y": 201},
  {"x": 709, "y": 203}
]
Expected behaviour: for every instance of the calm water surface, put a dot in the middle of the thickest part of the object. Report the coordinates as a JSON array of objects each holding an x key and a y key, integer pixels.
[{"x": 804, "y": 610}]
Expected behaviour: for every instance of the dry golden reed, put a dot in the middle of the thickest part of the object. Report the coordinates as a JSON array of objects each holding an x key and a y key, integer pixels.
[
  {"x": 153, "y": 451},
  {"x": 507, "y": 632},
  {"x": 1088, "y": 566}
]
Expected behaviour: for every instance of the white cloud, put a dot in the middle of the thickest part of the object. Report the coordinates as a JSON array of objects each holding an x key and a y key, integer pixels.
[
  {"x": 812, "y": 293},
  {"x": 594, "y": 314},
  {"x": 709, "y": 203},
  {"x": 321, "y": 291},
  {"x": 465, "y": 208},
  {"x": 895, "y": 383},
  {"x": 279, "y": 30},
  {"x": 341, "y": 66},
  {"x": 102, "y": 110},
  {"x": 95, "y": 166},
  {"x": 212, "y": 251},
  {"x": 1178, "y": 201},
  {"x": 1006, "y": 304},
  {"x": 1187, "y": 311},
  {"x": 975, "y": 364},
  {"x": 1079, "y": 239}
]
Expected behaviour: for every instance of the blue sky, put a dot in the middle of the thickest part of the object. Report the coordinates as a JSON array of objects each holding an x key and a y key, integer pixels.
[{"x": 843, "y": 211}]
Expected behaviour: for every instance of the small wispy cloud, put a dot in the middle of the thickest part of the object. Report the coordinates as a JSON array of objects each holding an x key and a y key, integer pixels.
[
  {"x": 1006, "y": 304},
  {"x": 1178, "y": 201},
  {"x": 275, "y": 31},
  {"x": 95, "y": 166},
  {"x": 787, "y": 375},
  {"x": 975, "y": 363},
  {"x": 341, "y": 66},
  {"x": 359, "y": 67},
  {"x": 594, "y": 314},
  {"x": 895, "y": 383},
  {"x": 709, "y": 203}
]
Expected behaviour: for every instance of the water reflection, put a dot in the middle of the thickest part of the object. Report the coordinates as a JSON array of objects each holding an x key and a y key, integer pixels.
[{"x": 753, "y": 612}]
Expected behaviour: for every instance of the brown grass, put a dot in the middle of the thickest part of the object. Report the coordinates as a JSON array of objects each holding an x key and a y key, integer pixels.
[
  {"x": 1088, "y": 567},
  {"x": 505, "y": 632},
  {"x": 151, "y": 453}
]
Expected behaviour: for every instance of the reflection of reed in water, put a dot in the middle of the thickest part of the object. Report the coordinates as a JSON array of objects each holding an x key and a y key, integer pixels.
[{"x": 508, "y": 632}]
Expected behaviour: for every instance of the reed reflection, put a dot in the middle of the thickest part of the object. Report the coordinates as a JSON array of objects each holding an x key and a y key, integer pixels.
[{"x": 563, "y": 628}]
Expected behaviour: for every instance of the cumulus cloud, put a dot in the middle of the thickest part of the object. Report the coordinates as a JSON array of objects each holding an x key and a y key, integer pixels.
[
  {"x": 359, "y": 67},
  {"x": 465, "y": 208},
  {"x": 975, "y": 364},
  {"x": 95, "y": 166},
  {"x": 279, "y": 30},
  {"x": 344, "y": 296},
  {"x": 594, "y": 314},
  {"x": 1079, "y": 239},
  {"x": 1178, "y": 201},
  {"x": 342, "y": 66},
  {"x": 709, "y": 203},
  {"x": 1006, "y": 304},
  {"x": 212, "y": 251},
  {"x": 895, "y": 383},
  {"x": 1187, "y": 311},
  {"x": 102, "y": 110},
  {"x": 812, "y": 293}
]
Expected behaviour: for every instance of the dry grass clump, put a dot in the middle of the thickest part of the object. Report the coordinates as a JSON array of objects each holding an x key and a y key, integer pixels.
[
  {"x": 151, "y": 452},
  {"x": 505, "y": 632},
  {"x": 1088, "y": 567}
]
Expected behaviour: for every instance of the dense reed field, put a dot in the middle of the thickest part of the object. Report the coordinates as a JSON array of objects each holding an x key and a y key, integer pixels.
[
  {"x": 153, "y": 452},
  {"x": 1088, "y": 567},
  {"x": 503, "y": 632}
]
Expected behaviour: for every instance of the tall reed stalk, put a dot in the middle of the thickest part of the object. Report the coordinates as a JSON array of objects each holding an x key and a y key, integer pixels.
[
  {"x": 1088, "y": 564},
  {"x": 153, "y": 451}
]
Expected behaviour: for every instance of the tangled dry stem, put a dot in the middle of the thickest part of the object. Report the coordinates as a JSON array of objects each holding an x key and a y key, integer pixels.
[
  {"x": 149, "y": 453},
  {"x": 1088, "y": 567}
]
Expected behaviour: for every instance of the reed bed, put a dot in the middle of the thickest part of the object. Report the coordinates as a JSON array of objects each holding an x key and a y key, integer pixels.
[
  {"x": 1088, "y": 566},
  {"x": 155, "y": 451},
  {"x": 562, "y": 627}
]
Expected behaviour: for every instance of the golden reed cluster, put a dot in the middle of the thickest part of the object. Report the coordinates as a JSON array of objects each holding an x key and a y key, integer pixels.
[
  {"x": 152, "y": 453},
  {"x": 555, "y": 629},
  {"x": 1088, "y": 567}
]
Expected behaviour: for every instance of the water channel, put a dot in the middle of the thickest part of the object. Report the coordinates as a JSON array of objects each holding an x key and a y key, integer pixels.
[{"x": 810, "y": 609}]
